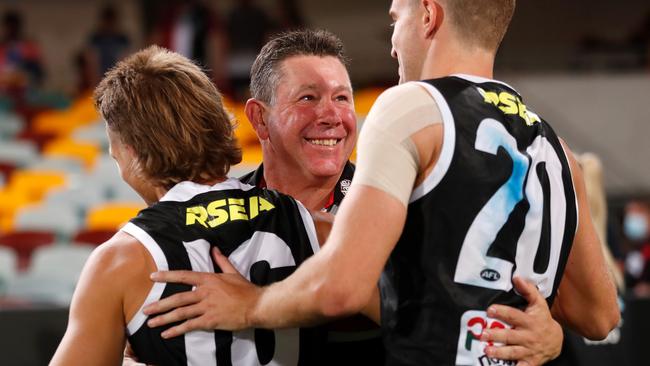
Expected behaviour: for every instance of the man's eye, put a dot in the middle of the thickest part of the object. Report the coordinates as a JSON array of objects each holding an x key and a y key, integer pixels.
[
  {"x": 342, "y": 98},
  {"x": 307, "y": 97}
]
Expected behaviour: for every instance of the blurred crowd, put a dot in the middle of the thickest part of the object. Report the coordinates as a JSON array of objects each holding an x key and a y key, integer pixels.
[
  {"x": 624, "y": 231},
  {"x": 225, "y": 45}
]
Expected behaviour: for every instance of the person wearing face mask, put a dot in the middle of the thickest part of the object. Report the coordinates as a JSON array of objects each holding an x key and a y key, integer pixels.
[
  {"x": 637, "y": 263},
  {"x": 635, "y": 224}
]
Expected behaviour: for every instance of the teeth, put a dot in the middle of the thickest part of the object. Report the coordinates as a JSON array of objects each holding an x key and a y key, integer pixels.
[{"x": 323, "y": 142}]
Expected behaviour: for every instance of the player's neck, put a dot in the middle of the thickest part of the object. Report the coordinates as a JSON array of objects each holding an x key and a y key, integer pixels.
[
  {"x": 312, "y": 191},
  {"x": 156, "y": 193},
  {"x": 153, "y": 195},
  {"x": 454, "y": 58}
]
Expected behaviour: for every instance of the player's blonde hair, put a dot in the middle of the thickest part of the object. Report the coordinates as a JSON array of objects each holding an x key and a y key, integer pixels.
[{"x": 167, "y": 109}]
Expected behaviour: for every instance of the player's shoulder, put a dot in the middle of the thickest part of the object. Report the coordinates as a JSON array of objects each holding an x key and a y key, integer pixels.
[
  {"x": 410, "y": 91},
  {"x": 409, "y": 101},
  {"x": 121, "y": 256}
]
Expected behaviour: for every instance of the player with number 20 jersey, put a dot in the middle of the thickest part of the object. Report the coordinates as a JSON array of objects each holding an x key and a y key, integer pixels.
[{"x": 463, "y": 242}]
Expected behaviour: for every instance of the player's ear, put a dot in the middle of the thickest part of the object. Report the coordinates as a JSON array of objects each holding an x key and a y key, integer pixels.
[
  {"x": 432, "y": 17},
  {"x": 256, "y": 111}
]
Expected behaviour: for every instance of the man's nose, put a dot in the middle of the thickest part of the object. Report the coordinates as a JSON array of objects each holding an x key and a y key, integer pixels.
[{"x": 329, "y": 113}]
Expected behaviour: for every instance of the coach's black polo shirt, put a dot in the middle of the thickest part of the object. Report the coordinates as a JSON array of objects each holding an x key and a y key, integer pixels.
[{"x": 256, "y": 178}]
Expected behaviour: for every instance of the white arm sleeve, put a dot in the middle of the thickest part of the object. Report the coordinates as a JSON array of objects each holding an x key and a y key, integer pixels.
[{"x": 387, "y": 158}]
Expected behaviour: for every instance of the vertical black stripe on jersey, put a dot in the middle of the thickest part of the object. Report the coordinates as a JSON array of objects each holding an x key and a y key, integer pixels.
[
  {"x": 165, "y": 223},
  {"x": 147, "y": 343},
  {"x": 571, "y": 219},
  {"x": 421, "y": 303}
]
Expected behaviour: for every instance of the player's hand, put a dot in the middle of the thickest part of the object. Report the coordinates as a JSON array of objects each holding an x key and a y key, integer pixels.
[
  {"x": 218, "y": 301},
  {"x": 535, "y": 338}
]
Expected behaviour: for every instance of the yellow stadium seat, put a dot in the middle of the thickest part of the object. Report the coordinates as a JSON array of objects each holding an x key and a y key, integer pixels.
[
  {"x": 244, "y": 131},
  {"x": 251, "y": 155},
  {"x": 364, "y": 99},
  {"x": 35, "y": 183},
  {"x": 53, "y": 122},
  {"x": 10, "y": 202},
  {"x": 84, "y": 109},
  {"x": 111, "y": 216},
  {"x": 6, "y": 224},
  {"x": 228, "y": 102},
  {"x": 62, "y": 123},
  {"x": 86, "y": 152}
]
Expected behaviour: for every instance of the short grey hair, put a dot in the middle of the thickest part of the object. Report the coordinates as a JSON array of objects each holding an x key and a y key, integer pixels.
[{"x": 266, "y": 71}]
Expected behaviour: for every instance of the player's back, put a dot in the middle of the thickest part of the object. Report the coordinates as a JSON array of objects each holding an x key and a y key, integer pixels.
[
  {"x": 499, "y": 202},
  {"x": 264, "y": 234}
]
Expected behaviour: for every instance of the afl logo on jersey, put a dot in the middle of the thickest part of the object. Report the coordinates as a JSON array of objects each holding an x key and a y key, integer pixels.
[
  {"x": 490, "y": 275},
  {"x": 345, "y": 185}
]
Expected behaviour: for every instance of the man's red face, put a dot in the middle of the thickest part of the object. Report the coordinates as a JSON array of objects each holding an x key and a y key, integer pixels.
[{"x": 311, "y": 123}]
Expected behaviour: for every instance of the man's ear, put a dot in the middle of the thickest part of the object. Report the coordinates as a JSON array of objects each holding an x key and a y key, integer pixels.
[
  {"x": 255, "y": 111},
  {"x": 432, "y": 17}
]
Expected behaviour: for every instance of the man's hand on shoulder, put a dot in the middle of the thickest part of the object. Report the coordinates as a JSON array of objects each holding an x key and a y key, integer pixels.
[{"x": 218, "y": 301}]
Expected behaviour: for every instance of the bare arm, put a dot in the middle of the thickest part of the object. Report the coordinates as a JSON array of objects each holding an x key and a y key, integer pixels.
[
  {"x": 535, "y": 338},
  {"x": 211, "y": 289},
  {"x": 95, "y": 333},
  {"x": 372, "y": 310},
  {"x": 323, "y": 222},
  {"x": 96, "y": 327},
  {"x": 586, "y": 283},
  {"x": 339, "y": 280}
]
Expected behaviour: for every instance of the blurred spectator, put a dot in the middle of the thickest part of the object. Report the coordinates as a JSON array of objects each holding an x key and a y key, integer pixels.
[
  {"x": 290, "y": 15},
  {"x": 577, "y": 350},
  {"x": 86, "y": 76},
  {"x": 637, "y": 264},
  {"x": 592, "y": 170},
  {"x": 106, "y": 45},
  {"x": 196, "y": 32},
  {"x": 20, "y": 59},
  {"x": 248, "y": 28}
]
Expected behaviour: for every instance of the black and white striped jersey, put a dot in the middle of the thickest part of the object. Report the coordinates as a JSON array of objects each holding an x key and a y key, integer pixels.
[
  {"x": 348, "y": 341},
  {"x": 500, "y": 202},
  {"x": 266, "y": 235}
]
